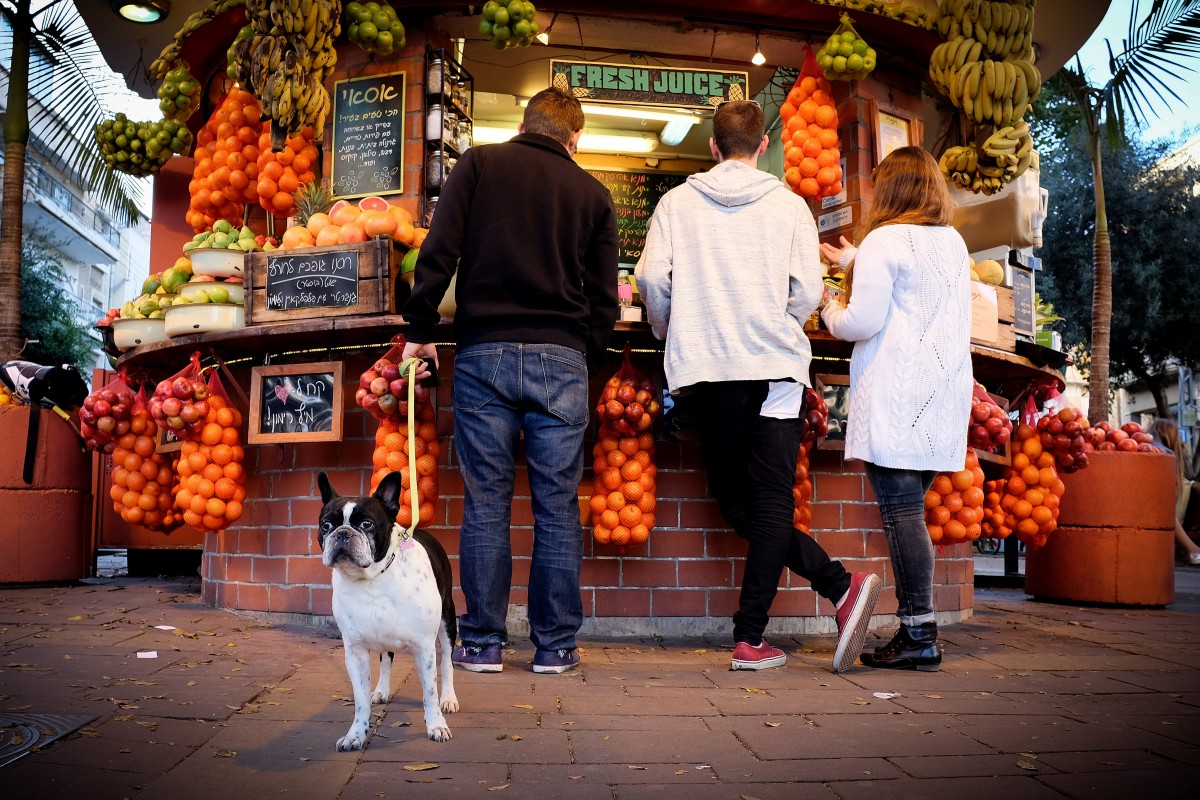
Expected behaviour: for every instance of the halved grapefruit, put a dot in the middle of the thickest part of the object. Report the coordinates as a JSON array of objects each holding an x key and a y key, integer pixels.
[{"x": 373, "y": 203}]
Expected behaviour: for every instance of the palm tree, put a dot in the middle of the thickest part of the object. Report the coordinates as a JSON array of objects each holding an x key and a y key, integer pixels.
[
  {"x": 1142, "y": 73},
  {"x": 55, "y": 52}
]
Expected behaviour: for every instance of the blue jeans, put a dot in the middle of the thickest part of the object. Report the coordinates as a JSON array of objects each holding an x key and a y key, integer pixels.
[
  {"x": 500, "y": 390},
  {"x": 750, "y": 461},
  {"x": 901, "y": 496}
]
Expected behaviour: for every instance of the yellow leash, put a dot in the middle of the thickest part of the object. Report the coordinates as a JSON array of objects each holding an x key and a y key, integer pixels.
[{"x": 407, "y": 368}]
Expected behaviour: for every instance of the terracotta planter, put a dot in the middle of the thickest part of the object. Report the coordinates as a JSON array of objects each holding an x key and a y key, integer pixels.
[
  {"x": 1115, "y": 541},
  {"x": 47, "y": 530}
]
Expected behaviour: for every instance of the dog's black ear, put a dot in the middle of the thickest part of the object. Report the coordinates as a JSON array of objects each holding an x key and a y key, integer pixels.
[
  {"x": 388, "y": 492},
  {"x": 327, "y": 492}
]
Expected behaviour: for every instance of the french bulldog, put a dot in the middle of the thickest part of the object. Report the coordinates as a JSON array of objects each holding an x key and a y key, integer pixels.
[{"x": 391, "y": 591}]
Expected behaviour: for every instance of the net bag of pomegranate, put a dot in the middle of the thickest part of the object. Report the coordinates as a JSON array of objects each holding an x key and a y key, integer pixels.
[
  {"x": 1064, "y": 432},
  {"x": 989, "y": 427},
  {"x": 106, "y": 414},
  {"x": 180, "y": 403},
  {"x": 383, "y": 392},
  {"x": 624, "y": 489},
  {"x": 141, "y": 477},
  {"x": 816, "y": 426},
  {"x": 211, "y": 467}
]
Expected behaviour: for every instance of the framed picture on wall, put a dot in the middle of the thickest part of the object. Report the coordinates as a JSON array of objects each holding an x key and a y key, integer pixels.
[
  {"x": 835, "y": 389},
  {"x": 893, "y": 129}
]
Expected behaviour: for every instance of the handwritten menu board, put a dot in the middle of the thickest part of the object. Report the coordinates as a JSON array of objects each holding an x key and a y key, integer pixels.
[
  {"x": 368, "y": 135},
  {"x": 312, "y": 280},
  {"x": 635, "y": 195},
  {"x": 296, "y": 403}
]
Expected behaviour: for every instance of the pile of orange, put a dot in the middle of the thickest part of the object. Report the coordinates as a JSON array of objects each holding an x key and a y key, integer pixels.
[
  {"x": 226, "y": 172},
  {"x": 1025, "y": 501},
  {"x": 281, "y": 174},
  {"x": 954, "y": 504},
  {"x": 812, "y": 159},
  {"x": 347, "y": 222},
  {"x": 391, "y": 455},
  {"x": 624, "y": 488},
  {"x": 802, "y": 489},
  {"x": 212, "y": 480},
  {"x": 142, "y": 478}
]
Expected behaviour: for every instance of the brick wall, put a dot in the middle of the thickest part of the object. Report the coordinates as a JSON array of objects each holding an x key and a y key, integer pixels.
[{"x": 683, "y": 581}]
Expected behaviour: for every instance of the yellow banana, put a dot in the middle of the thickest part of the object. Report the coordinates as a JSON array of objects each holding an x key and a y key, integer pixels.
[{"x": 989, "y": 77}]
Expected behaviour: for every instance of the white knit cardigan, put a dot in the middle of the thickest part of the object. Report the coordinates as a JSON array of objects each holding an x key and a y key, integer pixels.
[{"x": 910, "y": 374}]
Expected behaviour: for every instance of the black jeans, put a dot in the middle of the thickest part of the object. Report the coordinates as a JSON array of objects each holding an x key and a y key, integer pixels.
[{"x": 751, "y": 464}]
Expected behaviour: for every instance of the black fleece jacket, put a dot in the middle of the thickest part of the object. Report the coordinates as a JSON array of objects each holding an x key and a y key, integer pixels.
[{"x": 534, "y": 240}]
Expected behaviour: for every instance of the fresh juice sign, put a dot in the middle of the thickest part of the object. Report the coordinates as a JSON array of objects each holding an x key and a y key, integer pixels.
[{"x": 659, "y": 86}]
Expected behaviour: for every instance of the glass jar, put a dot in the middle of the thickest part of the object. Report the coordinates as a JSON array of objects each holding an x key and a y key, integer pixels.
[
  {"x": 464, "y": 134},
  {"x": 435, "y": 170},
  {"x": 434, "y": 122},
  {"x": 434, "y": 76},
  {"x": 430, "y": 207},
  {"x": 450, "y": 164},
  {"x": 450, "y": 129}
]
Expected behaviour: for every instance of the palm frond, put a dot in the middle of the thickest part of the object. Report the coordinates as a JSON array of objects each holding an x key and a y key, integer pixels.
[{"x": 1154, "y": 52}]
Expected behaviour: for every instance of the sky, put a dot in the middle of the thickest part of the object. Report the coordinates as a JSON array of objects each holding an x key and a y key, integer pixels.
[{"x": 1177, "y": 120}]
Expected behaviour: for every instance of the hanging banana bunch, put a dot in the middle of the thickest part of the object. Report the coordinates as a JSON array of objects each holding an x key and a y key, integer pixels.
[
  {"x": 170, "y": 54},
  {"x": 985, "y": 67},
  {"x": 285, "y": 60}
]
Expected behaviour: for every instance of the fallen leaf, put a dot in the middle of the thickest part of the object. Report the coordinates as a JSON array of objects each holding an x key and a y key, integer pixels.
[
  {"x": 305, "y": 758},
  {"x": 574, "y": 777},
  {"x": 522, "y": 705},
  {"x": 934, "y": 696},
  {"x": 681, "y": 772},
  {"x": 516, "y": 738},
  {"x": 1026, "y": 765},
  {"x": 400, "y": 724},
  {"x": 634, "y": 766},
  {"x": 420, "y": 767},
  {"x": 221, "y": 752},
  {"x": 500, "y": 737},
  {"x": 1030, "y": 755},
  {"x": 497, "y": 788},
  {"x": 860, "y": 702},
  {"x": 75, "y": 618},
  {"x": 124, "y": 750},
  {"x": 752, "y": 690},
  {"x": 772, "y": 724}
]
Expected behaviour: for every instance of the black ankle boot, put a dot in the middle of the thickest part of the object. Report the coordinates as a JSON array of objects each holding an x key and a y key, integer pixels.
[{"x": 913, "y": 647}]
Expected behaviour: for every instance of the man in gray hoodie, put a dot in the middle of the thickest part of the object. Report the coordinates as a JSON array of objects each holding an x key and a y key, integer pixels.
[{"x": 729, "y": 275}]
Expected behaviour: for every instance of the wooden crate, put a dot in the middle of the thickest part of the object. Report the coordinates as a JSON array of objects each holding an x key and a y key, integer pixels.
[
  {"x": 354, "y": 279},
  {"x": 1006, "y": 336}
]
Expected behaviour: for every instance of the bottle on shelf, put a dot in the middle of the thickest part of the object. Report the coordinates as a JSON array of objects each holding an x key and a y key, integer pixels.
[{"x": 629, "y": 312}]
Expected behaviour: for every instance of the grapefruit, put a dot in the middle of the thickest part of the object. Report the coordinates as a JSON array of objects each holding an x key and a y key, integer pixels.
[
  {"x": 419, "y": 236},
  {"x": 377, "y": 222},
  {"x": 402, "y": 214},
  {"x": 297, "y": 236},
  {"x": 328, "y": 235},
  {"x": 345, "y": 214},
  {"x": 352, "y": 232},
  {"x": 373, "y": 203},
  {"x": 318, "y": 221}
]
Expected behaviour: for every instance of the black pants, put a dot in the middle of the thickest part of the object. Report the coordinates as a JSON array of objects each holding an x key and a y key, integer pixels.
[{"x": 751, "y": 466}]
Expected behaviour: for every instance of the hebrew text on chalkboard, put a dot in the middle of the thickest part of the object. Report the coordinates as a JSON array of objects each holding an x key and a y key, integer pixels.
[
  {"x": 368, "y": 135},
  {"x": 312, "y": 280},
  {"x": 296, "y": 402},
  {"x": 635, "y": 195}
]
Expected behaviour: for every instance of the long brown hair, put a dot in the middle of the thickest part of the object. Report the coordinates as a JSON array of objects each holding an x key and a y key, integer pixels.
[
  {"x": 909, "y": 190},
  {"x": 1167, "y": 433}
]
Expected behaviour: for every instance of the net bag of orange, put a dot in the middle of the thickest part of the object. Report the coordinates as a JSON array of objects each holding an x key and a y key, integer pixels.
[
  {"x": 212, "y": 478},
  {"x": 142, "y": 478},
  {"x": 105, "y": 415},
  {"x": 954, "y": 504},
  {"x": 816, "y": 426},
  {"x": 812, "y": 160},
  {"x": 624, "y": 489},
  {"x": 226, "y": 172},
  {"x": 383, "y": 392},
  {"x": 1030, "y": 490}
]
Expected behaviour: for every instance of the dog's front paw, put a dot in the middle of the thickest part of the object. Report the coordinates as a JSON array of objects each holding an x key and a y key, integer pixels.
[
  {"x": 378, "y": 697},
  {"x": 449, "y": 704},
  {"x": 439, "y": 733},
  {"x": 351, "y": 741}
]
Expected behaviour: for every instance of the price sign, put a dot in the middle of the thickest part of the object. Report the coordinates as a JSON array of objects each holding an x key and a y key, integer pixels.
[
  {"x": 368, "y": 135},
  {"x": 312, "y": 280},
  {"x": 296, "y": 403}
]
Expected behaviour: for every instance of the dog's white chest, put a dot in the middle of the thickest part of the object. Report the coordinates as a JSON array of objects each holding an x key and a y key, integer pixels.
[{"x": 388, "y": 612}]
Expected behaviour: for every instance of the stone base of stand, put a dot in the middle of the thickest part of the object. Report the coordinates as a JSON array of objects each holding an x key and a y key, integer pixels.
[{"x": 1113, "y": 566}]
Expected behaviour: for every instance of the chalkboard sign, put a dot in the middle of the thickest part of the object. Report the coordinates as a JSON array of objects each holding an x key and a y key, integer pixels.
[
  {"x": 167, "y": 441},
  {"x": 312, "y": 279},
  {"x": 368, "y": 135},
  {"x": 1024, "y": 303},
  {"x": 635, "y": 195},
  {"x": 296, "y": 403}
]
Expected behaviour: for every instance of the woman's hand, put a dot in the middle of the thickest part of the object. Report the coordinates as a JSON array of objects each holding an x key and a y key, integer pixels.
[{"x": 834, "y": 255}]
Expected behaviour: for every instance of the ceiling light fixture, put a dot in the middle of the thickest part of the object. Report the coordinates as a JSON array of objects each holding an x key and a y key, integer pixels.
[
  {"x": 674, "y": 131},
  {"x": 544, "y": 36},
  {"x": 142, "y": 12},
  {"x": 637, "y": 113},
  {"x": 599, "y": 141},
  {"x": 759, "y": 59}
]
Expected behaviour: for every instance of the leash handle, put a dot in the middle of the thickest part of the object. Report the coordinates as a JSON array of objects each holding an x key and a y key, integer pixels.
[{"x": 409, "y": 367}]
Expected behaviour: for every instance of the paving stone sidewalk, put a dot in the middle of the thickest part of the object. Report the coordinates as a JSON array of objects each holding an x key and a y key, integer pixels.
[{"x": 1034, "y": 701}]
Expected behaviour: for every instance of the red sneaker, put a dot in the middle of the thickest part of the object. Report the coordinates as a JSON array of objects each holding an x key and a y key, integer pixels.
[
  {"x": 854, "y": 618},
  {"x": 762, "y": 657}
]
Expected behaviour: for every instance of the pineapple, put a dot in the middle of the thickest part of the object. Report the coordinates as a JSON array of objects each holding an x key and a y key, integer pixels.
[
  {"x": 735, "y": 90},
  {"x": 310, "y": 199},
  {"x": 561, "y": 82}
]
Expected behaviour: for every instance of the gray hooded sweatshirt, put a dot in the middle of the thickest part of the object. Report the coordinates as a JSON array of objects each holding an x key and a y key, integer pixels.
[{"x": 730, "y": 273}]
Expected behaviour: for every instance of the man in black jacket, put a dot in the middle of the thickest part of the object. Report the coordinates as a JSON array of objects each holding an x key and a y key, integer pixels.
[{"x": 534, "y": 240}]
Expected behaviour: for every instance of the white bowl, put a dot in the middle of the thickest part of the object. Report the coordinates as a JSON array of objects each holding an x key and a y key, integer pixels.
[
  {"x": 130, "y": 333},
  {"x": 237, "y": 292},
  {"x": 217, "y": 262},
  {"x": 204, "y": 317}
]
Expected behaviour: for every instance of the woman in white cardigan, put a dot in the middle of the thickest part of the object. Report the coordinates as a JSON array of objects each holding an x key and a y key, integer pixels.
[{"x": 908, "y": 311}]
